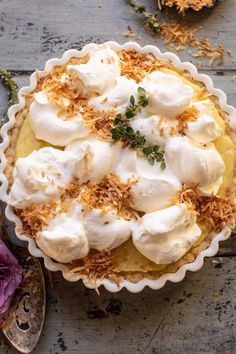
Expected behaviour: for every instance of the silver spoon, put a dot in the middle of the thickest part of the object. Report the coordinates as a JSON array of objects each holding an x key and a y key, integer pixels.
[{"x": 27, "y": 311}]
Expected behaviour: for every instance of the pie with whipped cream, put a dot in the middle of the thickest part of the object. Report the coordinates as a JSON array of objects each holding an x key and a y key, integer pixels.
[{"x": 121, "y": 165}]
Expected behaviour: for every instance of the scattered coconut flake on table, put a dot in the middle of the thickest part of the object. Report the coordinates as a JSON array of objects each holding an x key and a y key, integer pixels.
[
  {"x": 131, "y": 34},
  {"x": 179, "y": 37},
  {"x": 183, "y": 5}
]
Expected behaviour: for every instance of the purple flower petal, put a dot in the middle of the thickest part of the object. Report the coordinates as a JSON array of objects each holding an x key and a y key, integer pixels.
[{"x": 10, "y": 278}]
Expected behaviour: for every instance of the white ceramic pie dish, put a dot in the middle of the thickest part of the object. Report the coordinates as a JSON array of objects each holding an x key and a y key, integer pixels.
[{"x": 33, "y": 249}]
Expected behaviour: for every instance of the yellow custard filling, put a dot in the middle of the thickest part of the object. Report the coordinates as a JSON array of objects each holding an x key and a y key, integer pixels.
[{"x": 27, "y": 142}]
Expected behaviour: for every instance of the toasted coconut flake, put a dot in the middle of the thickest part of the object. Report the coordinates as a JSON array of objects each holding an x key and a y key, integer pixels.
[
  {"x": 71, "y": 104},
  {"x": 130, "y": 34},
  {"x": 37, "y": 216},
  {"x": 189, "y": 115},
  {"x": 177, "y": 34},
  {"x": 73, "y": 189},
  {"x": 97, "y": 265},
  {"x": 230, "y": 52},
  {"x": 181, "y": 36},
  {"x": 183, "y": 5},
  {"x": 99, "y": 122},
  {"x": 27, "y": 94},
  {"x": 109, "y": 192},
  {"x": 136, "y": 65},
  {"x": 59, "y": 91},
  {"x": 203, "y": 94},
  {"x": 215, "y": 211}
]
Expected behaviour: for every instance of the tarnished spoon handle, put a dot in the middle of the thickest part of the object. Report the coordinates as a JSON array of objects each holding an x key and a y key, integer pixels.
[{"x": 26, "y": 314}]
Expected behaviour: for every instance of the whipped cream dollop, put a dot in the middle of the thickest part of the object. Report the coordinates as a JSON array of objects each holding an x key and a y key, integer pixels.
[
  {"x": 100, "y": 73},
  {"x": 105, "y": 229},
  {"x": 205, "y": 129},
  {"x": 193, "y": 163},
  {"x": 168, "y": 95},
  {"x": 155, "y": 128},
  {"x": 70, "y": 235},
  {"x": 47, "y": 126},
  {"x": 154, "y": 188},
  {"x": 164, "y": 236},
  {"x": 118, "y": 97},
  {"x": 124, "y": 163},
  {"x": 64, "y": 239},
  {"x": 41, "y": 176},
  {"x": 93, "y": 156}
]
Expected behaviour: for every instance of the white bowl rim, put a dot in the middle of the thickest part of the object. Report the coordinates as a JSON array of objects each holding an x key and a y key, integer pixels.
[{"x": 111, "y": 286}]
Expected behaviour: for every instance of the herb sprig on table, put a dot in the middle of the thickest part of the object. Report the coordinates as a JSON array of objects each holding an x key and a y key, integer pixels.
[
  {"x": 134, "y": 139},
  {"x": 11, "y": 87},
  {"x": 149, "y": 18}
]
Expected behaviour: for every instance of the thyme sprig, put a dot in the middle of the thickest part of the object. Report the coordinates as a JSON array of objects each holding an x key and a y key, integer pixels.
[
  {"x": 125, "y": 133},
  {"x": 149, "y": 18},
  {"x": 135, "y": 140},
  {"x": 11, "y": 87},
  {"x": 134, "y": 108},
  {"x": 154, "y": 153}
]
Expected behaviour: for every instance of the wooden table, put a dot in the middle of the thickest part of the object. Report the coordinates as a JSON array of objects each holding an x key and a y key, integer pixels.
[{"x": 197, "y": 315}]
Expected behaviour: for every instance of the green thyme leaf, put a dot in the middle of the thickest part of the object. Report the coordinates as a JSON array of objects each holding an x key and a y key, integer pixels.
[
  {"x": 130, "y": 113},
  {"x": 140, "y": 9},
  {"x": 153, "y": 24},
  {"x": 135, "y": 140},
  {"x": 134, "y": 108},
  {"x": 162, "y": 165},
  {"x": 11, "y": 87},
  {"x": 142, "y": 97},
  {"x": 149, "y": 18},
  {"x": 132, "y": 100},
  {"x": 153, "y": 153}
]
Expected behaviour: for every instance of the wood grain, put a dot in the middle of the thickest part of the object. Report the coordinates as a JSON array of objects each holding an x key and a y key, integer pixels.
[
  {"x": 31, "y": 34},
  {"x": 194, "y": 316}
]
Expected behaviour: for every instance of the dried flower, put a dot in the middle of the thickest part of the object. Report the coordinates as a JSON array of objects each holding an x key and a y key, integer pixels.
[{"x": 10, "y": 278}]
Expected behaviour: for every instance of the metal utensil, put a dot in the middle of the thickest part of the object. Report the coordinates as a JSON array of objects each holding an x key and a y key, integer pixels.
[{"x": 26, "y": 314}]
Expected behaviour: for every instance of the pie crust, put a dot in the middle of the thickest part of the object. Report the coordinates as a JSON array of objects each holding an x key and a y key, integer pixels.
[{"x": 135, "y": 281}]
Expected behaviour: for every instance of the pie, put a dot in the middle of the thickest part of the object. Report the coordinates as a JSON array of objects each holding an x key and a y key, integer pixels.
[{"x": 120, "y": 165}]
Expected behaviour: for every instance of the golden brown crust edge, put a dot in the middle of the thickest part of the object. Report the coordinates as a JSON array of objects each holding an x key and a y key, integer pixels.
[{"x": 191, "y": 255}]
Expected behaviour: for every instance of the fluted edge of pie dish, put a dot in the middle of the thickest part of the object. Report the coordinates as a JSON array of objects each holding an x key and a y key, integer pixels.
[{"x": 136, "y": 287}]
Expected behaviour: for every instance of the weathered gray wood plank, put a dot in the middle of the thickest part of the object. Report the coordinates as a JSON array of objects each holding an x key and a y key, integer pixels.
[
  {"x": 29, "y": 35},
  {"x": 228, "y": 248},
  {"x": 195, "y": 316}
]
